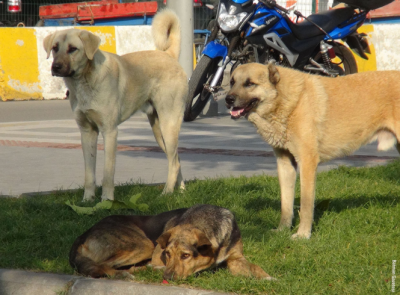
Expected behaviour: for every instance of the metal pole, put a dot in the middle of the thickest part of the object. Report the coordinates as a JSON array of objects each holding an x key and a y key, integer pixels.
[{"x": 184, "y": 10}]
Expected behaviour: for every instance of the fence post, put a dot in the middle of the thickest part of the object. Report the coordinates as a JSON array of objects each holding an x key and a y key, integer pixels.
[{"x": 184, "y": 10}]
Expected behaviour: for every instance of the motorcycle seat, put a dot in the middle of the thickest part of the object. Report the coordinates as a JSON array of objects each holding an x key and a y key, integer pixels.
[{"x": 327, "y": 20}]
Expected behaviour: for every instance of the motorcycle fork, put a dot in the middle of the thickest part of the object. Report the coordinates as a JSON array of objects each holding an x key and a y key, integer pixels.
[
  {"x": 221, "y": 67},
  {"x": 220, "y": 71}
]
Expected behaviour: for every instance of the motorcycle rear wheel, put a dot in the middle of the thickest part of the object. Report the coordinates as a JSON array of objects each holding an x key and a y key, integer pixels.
[
  {"x": 348, "y": 63},
  {"x": 344, "y": 62},
  {"x": 198, "y": 96}
]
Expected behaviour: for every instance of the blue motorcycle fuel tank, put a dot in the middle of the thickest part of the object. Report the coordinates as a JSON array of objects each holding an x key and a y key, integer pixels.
[{"x": 267, "y": 20}]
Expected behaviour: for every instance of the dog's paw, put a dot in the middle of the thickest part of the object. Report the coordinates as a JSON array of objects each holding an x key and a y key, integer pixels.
[
  {"x": 253, "y": 117},
  {"x": 276, "y": 230},
  {"x": 126, "y": 275},
  {"x": 107, "y": 198},
  {"x": 298, "y": 235},
  {"x": 156, "y": 266},
  {"x": 88, "y": 197},
  {"x": 269, "y": 279},
  {"x": 280, "y": 228}
]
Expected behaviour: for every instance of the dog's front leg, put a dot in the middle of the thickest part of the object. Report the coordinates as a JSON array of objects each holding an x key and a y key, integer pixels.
[
  {"x": 89, "y": 137},
  {"x": 308, "y": 168},
  {"x": 110, "y": 152},
  {"x": 157, "y": 259},
  {"x": 287, "y": 180}
]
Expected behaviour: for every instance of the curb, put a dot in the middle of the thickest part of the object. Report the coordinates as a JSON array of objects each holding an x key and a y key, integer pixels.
[{"x": 19, "y": 282}]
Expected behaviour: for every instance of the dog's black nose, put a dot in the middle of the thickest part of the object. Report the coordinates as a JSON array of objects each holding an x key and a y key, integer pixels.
[
  {"x": 230, "y": 100},
  {"x": 56, "y": 67},
  {"x": 168, "y": 275}
]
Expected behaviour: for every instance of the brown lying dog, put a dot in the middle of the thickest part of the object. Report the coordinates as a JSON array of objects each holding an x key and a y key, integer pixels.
[
  {"x": 202, "y": 237},
  {"x": 309, "y": 119},
  {"x": 118, "y": 243}
]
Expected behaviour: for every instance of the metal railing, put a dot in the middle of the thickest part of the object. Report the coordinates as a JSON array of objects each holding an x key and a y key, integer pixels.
[{"x": 29, "y": 16}]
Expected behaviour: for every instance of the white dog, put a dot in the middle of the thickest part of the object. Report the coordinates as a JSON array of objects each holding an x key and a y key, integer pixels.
[{"x": 106, "y": 89}]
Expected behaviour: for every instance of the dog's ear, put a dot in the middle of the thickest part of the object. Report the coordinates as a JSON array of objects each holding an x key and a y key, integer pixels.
[
  {"x": 204, "y": 245},
  {"x": 163, "y": 239},
  {"x": 91, "y": 43},
  {"x": 48, "y": 43},
  {"x": 274, "y": 76}
]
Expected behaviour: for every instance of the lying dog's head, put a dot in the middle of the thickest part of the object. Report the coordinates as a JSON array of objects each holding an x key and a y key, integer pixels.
[
  {"x": 252, "y": 86},
  {"x": 72, "y": 49},
  {"x": 186, "y": 250}
]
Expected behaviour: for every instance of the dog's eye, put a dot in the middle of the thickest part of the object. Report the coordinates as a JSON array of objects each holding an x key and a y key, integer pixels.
[
  {"x": 55, "y": 48},
  {"x": 72, "y": 49},
  {"x": 249, "y": 83},
  {"x": 185, "y": 256},
  {"x": 232, "y": 82}
]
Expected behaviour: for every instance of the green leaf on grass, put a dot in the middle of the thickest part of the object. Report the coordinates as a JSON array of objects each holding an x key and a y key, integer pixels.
[
  {"x": 111, "y": 205},
  {"x": 81, "y": 210}
]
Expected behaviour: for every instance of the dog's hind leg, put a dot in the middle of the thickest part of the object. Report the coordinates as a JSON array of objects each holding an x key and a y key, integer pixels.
[
  {"x": 239, "y": 266},
  {"x": 287, "y": 180},
  {"x": 155, "y": 126},
  {"x": 88, "y": 267},
  {"x": 169, "y": 124}
]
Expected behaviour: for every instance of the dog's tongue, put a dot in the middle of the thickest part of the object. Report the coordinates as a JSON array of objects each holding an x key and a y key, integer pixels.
[{"x": 236, "y": 112}]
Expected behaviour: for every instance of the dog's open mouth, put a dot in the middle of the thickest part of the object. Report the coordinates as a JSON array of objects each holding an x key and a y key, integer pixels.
[{"x": 238, "y": 112}]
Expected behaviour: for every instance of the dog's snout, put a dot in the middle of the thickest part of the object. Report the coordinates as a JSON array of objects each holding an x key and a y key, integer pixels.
[
  {"x": 168, "y": 275},
  {"x": 56, "y": 67},
  {"x": 230, "y": 100}
]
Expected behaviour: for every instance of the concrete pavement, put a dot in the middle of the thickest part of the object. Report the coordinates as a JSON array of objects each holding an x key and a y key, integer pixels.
[
  {"x": 16, "y": 282},
  {"x": 40, "y": 151}
]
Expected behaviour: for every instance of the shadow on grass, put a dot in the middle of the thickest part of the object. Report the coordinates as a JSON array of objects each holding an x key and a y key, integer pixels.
[{"x": 262, "y": 224}]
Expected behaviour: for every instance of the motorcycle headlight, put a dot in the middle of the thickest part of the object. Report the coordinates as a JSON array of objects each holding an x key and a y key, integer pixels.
[{"x": 229, "y": 21}]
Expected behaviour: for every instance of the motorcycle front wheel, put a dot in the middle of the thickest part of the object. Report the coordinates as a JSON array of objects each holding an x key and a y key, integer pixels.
[{"x": 198, "y": 96}]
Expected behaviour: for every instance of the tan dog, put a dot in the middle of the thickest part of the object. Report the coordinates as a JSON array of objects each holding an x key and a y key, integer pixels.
[
  {"x": 203, "y": 237},
  {"x": 106, "y": 89},
  {"x": 309, "y": 119}
]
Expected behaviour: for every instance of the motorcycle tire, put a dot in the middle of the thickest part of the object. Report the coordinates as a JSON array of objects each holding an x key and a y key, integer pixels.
[
  {"x": 348, "y": 61},
  {"x": 198, "y": 96},
  {"x": 198, "y": 47}
]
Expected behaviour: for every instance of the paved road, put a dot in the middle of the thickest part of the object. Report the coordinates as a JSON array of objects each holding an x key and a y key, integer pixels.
[{"x": 40, "y": 150}]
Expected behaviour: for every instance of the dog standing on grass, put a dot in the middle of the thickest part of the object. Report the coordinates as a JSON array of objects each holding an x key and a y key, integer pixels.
[
  {"x": 106, "y": 89},
  {"x": 309, "y": 119}
]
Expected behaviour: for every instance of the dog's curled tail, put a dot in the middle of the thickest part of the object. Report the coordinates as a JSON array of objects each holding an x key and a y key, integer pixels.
[{"x": 166, "y": 32}]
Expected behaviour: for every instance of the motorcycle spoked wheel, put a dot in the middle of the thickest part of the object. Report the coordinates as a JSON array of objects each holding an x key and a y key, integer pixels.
[
  {"x": 344, "y": 62},
  {"x": 198, "y": 96}
]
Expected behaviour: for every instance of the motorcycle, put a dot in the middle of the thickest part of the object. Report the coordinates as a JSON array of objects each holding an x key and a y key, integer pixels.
[{"x": 263, "y": 32}]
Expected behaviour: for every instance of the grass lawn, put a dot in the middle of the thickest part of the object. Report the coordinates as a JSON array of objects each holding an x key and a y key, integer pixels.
[{"x": 354, "y": 240}]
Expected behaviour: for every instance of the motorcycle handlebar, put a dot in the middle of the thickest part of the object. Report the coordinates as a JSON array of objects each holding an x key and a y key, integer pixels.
[{"x": 273, "y": 4}]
